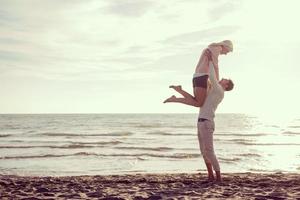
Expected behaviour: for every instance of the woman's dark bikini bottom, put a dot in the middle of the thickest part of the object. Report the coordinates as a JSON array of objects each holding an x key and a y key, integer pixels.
[{"x": 200, "y": 81}]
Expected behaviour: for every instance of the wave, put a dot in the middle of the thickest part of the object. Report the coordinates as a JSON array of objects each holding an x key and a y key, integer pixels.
[
  {"x": 83, "y": 135},
  {"x": 5, "y": 135},
  {"x": 11, "y": 127},
  {"x": 20, "y": 147},
  {"x": 163, "y": 125},
  {"x": 293, "y": 126},
  {"x": 46, "y": 146},
  {"x": 239, "y": 140},
  {"x": 115, "y": 142},
  {"x": 229, "y": 160},
  {"x": 85, "y": 154},
  {"x": 185, "y": 126},
  {"x": 70, "y": 146},
  {"x": 243, "y": 135},
  {"x": 267, "y": 144},
  {"x": 32, "y": 156},
  {"x": 259, "y": 170},
  {"x": 291, "y": 133},
  {"x": 169, "y": 134},
  {"x": 141, "y": 155},
  {"x": 31, "y": 131},
  {"x": 137, "y": 156},
  {"x": 248, "y": 155},
  {"x": 147, "y": 148},
  {"x": 149, "y": 126}
]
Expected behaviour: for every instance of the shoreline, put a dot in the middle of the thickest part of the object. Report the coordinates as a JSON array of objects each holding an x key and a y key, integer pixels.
[{"x": 152, "y": 186}]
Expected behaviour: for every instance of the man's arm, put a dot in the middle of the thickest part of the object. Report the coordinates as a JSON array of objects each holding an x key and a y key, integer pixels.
[{"x": 212, "y": 75}]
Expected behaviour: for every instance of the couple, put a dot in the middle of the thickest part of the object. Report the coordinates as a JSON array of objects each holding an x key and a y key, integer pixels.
[{"x": 208, "y": 94}]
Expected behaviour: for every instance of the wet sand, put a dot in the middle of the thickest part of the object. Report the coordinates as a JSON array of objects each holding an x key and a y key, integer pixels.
[{"x": 152, "y": 186}]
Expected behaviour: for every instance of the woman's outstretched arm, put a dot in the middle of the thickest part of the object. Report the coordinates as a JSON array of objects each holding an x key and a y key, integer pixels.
[{"x": 215, "y": 52}]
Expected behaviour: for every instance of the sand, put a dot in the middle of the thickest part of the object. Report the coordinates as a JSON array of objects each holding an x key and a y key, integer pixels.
[{"x": 152, "y": 186}]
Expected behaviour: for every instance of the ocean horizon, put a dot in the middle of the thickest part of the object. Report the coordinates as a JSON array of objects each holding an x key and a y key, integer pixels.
[{"x": 120, "y": 143}]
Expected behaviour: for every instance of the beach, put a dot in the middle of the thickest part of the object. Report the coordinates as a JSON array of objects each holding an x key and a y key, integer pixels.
[
  {"x": 152, "y": 186},
  {"x": 145, "y": 156}
]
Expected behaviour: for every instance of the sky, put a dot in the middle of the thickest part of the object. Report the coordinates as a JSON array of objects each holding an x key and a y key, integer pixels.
[{"x": 120, "y": 56}]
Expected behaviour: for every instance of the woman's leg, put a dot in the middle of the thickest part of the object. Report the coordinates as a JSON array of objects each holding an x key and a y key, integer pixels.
[
  {"x": 188, "y": 98},
  {"x": 200, "y": 95},
  {"x": 174, "y": 99},
  {"x": 187, "y": 101},
  {"x": 179, "y": 89}
]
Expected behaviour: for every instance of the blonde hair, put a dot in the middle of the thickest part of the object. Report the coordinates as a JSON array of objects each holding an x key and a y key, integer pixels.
[{"x": 226, "y": 43}]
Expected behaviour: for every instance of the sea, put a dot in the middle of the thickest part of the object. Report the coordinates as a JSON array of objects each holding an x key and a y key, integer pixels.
[{"x": 102, "y": 144}]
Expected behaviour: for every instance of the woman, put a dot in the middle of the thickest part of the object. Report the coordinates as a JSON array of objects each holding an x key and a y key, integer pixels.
[{"x": 211, "y": 53}]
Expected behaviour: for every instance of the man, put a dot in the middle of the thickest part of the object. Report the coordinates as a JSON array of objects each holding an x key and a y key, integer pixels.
[{"x": 206, "y": 125}]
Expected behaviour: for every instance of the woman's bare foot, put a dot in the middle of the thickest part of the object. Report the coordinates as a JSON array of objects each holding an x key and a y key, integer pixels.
[
  {"x": 170, "y": 99},
  {"x": 176, "y": 87}
]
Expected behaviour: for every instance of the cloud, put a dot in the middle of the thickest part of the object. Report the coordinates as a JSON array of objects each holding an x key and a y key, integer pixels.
[
  {"x": 202, "y": 36},
  {"x": 5, "y": 17},
  {"x": 222, "y": 9},
  {"x": 12, "y": 56},
  {"x": 75, "y": 40},
  {"x": 129, "y": 8},
  {"x": 11, "y": 41}
]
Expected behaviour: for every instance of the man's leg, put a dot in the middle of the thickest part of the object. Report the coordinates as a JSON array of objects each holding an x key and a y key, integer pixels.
[
  {"x": 209, "y": 148},
  {"x": 208, "y": 164},
  {"x": 210, "y": 172},
  {"x": 219, "y": 177}
]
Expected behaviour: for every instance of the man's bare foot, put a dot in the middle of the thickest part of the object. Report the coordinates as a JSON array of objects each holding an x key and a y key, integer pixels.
[
  {"x": 219, "y": 180},
  {"x": 176, "y": 87},
  {"x": 211, "y": 178},
  {"x": 218, "y": 175},
  {"x": 170, "y": 99}
]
